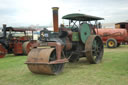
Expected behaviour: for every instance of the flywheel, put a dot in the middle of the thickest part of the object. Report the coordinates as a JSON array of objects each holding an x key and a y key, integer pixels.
[{"x": 94, "y": 49}]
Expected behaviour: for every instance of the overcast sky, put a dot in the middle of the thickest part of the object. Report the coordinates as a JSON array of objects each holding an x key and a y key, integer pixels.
[{"x": 28, "y": 12}]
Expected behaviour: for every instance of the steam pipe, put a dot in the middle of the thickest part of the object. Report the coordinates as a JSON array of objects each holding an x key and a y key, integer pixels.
[{"x": 55, "y": 19}]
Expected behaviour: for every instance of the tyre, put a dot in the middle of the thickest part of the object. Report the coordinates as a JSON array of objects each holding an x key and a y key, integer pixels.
[{"x": 111, "y": 43}]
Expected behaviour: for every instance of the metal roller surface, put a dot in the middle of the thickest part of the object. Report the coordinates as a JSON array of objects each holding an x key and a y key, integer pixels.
[
  {"x": 39, "y": 61},
  {"x": 26, "y": 46},
  {"x": 94, "y": 49}
]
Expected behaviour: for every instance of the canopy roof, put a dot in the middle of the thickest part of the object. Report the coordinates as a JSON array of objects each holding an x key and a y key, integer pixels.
[
  {"x": 122, "y": 23},
  {"x": 19, "y": 29},
  {"x": 81, "y": 17}
]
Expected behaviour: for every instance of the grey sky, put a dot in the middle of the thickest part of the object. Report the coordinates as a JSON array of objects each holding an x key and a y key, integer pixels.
[{"x": 28, "y": 12}]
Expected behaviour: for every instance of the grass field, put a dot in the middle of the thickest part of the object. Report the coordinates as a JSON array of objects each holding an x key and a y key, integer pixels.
[{"x": 112, "y": 71}]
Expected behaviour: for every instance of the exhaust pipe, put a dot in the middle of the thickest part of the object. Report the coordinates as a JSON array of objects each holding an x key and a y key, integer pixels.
[
  {"x": 4, "y": 30},
  {"x": 55, "y": 19}
]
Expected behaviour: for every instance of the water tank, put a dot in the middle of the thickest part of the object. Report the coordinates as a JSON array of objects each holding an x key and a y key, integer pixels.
[{"x": 111, "y": 32}]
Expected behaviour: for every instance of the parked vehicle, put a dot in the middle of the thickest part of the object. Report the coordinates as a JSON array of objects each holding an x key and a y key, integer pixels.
[
  {"x": 16, "y": 40},
  {"x": 66, "y": 44},
  {"x": 114, "y": 37}
]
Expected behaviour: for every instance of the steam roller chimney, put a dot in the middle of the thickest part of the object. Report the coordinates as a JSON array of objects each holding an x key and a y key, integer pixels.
[
  {"x": 55, "y": 18},
  {"x": 4, "y": 30}
]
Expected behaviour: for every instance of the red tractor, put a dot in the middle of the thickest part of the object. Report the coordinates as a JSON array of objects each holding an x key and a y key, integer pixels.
[{"x": 16, "y": 40}]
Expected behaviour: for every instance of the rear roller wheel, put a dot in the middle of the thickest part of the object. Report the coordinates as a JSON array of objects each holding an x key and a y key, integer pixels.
[
  {"x": 94, "y": 49},
  {"x": 3, "y": 51},
  {"x": 39, "y": 58}
]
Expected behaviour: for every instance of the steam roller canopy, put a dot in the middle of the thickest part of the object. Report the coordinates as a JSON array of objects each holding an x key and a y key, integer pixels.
[{"x": 39, "y": 61}]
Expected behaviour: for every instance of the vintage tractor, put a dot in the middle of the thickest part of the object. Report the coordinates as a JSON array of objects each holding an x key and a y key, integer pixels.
[
  {"x": 16, "y": 40},
  {"x": 68, "y": 43}
]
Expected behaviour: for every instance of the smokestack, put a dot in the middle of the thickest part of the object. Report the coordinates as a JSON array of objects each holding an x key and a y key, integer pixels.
[
  {"x": 4, "y": 30},
  {"x": 55, "y": 19}
]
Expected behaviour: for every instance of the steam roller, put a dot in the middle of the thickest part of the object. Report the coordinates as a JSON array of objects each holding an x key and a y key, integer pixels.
[{"x": 65, "y": 44}]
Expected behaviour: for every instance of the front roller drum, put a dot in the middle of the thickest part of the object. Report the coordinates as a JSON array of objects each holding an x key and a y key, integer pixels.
[
  {"x": 27, "y": 46},
  {"x": 39, "y": 61},
  {"x": 94, "y": 49}
]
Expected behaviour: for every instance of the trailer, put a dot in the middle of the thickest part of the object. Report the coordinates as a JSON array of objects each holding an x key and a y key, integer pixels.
[{"x": 114, "y": 37}]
